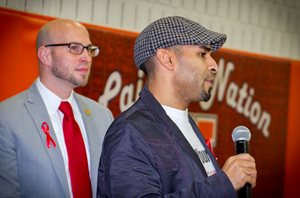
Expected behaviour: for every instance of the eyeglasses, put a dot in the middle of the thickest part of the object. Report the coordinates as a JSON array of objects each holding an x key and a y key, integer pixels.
[{"x": 77, "y": 48}]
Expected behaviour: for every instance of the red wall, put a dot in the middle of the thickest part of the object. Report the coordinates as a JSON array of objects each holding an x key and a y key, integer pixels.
[{"x": 292, "y": 162}]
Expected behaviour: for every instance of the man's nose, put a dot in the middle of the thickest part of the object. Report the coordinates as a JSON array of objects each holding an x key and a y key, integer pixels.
[{"x": 212, "y": 65}]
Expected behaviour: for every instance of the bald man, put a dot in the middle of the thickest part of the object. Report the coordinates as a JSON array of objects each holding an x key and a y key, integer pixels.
[{"x": 50, "y": 136}]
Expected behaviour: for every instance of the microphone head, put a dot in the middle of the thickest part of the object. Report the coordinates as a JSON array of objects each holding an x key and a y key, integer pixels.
[{"x": 241, "y": 133}]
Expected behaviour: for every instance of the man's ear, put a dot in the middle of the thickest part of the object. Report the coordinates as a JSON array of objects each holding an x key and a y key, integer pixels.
[
  {"x": 165, "y": 57},
  {"x": 44, "y": 55}
]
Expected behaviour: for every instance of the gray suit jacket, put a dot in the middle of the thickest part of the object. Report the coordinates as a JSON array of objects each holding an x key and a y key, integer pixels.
[{"x": 27, "y": 167}]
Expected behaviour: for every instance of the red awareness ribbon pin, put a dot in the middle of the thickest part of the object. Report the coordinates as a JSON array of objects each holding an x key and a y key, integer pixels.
[
  {"x": 207, "y": 141},
  {"x": 45, "y": 128}
]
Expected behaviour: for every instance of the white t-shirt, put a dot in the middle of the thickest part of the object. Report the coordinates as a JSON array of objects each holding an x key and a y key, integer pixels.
[{"x": 181, "y": 119}]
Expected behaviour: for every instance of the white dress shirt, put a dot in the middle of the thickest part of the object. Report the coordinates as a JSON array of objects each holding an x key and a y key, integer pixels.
[{"x": 52, "y": 102}]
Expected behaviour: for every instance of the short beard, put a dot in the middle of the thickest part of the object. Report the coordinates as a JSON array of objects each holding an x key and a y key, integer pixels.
[
  {"x": 56, "y": 71},
  {"x": 205, "y": 96}
]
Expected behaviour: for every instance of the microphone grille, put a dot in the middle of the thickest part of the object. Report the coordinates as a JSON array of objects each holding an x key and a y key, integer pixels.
[{"x": 241, "y": 133}]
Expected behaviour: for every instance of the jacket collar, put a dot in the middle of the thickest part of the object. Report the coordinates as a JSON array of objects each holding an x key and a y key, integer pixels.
[
  {"x": 150, "y": 101},
  {"x": 156, "y": 108}
]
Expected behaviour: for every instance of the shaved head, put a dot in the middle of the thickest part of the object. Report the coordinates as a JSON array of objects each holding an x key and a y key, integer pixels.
[{"x": 54, "y": 30}]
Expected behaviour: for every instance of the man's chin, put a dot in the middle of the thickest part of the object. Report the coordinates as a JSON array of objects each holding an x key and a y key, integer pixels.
[
  {"x": 83, "y": 84},
  {"x": 205, "y": 96},
  {"x": 80, "y": 83}
]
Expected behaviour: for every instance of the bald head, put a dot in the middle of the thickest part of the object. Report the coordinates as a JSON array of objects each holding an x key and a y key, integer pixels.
[{"x": 56, "y": 31}]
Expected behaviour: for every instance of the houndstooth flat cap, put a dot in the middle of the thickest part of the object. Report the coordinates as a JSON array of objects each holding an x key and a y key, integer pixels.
[{"x": 170, "y": 31}]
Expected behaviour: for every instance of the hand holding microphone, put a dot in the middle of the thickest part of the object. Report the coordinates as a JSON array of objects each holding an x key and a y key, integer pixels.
[{"x": 241, "y": 168}]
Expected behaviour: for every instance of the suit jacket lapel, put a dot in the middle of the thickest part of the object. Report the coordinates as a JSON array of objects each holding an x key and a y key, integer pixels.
[
  {"x": 186, "y": 147},
  {"x": 37, "y": 110},
  {"x": 154, "y": 105},
  {"x": 93, "y": 139}
]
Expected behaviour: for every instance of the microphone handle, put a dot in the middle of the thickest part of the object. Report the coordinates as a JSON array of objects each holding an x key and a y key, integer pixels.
[
  {"x": 245, "y": 191},
  {"x": 242, "y": 146}
]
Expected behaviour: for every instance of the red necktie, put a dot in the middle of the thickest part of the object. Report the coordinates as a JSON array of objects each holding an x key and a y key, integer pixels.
[{"x": 78, "y": 165}]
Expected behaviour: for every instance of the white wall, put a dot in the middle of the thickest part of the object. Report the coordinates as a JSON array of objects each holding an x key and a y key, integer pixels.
[{"x": 263, "y": 26}]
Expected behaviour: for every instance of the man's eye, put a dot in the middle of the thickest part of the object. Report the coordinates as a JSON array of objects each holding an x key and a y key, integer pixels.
[
  {"x": 203, "y": 54},
  {"x": 75, "y": 47}
]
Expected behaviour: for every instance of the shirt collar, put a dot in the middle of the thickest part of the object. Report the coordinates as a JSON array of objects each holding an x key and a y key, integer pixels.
[
  {"x": 51, "y": 100},
  {"x": 150, "y": 101},
  {"x": 176, "y": 114}
]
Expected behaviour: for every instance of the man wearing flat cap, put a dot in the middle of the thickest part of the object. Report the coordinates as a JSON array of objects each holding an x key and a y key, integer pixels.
[{"x": 154, "y": 149}]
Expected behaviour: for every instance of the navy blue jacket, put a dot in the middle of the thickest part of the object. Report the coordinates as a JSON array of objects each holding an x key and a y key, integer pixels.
[{"x": 145, "y": 155}]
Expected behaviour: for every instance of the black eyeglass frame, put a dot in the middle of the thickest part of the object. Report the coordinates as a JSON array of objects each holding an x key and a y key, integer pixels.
[{"x": 89, "y": 48}]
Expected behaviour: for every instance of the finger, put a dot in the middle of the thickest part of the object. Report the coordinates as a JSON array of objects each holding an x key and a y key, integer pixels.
[
  {"x": 239, "y": 161},
  {"x": 246, "y": 164},
  {"x": 252, "y": 181},
  {"x": 250, "y": 176},
  {"x": 244, "y": 156}
]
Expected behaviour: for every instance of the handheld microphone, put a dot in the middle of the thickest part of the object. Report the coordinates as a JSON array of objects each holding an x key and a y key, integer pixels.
[{"x": 241, "y": 137}]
